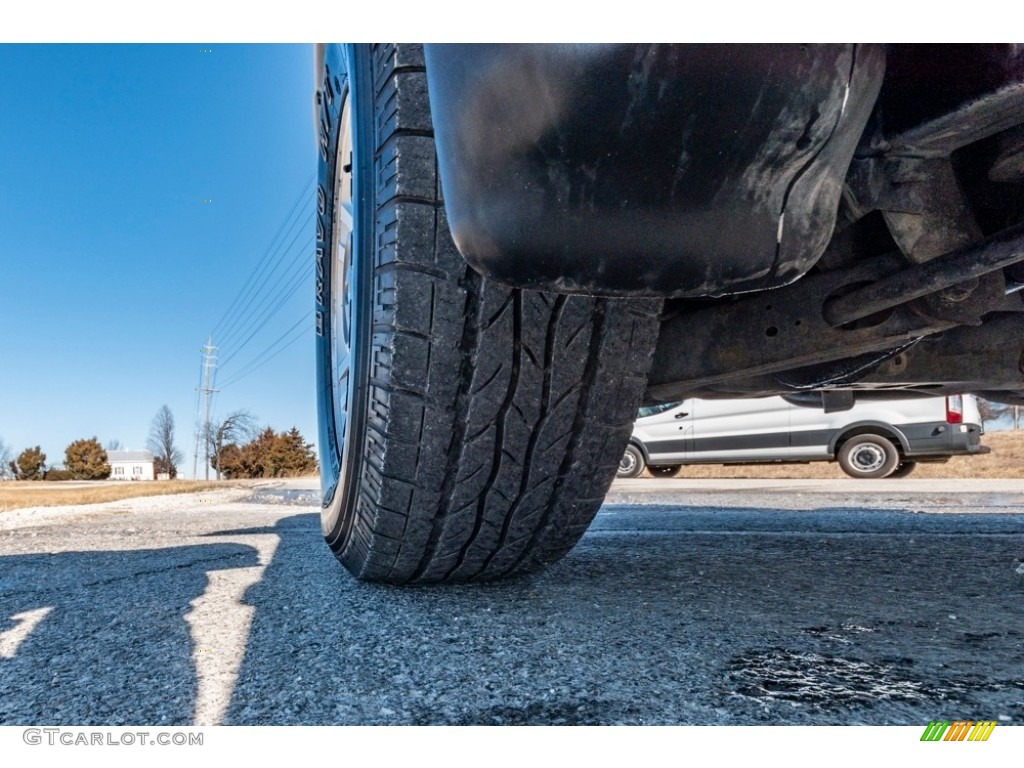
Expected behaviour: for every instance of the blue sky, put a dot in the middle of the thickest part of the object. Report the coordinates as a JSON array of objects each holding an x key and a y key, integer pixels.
[{"x": 113, "y": 269}]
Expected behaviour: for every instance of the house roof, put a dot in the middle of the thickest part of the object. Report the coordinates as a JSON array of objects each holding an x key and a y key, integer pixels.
[{"x": 129, "y": 456}]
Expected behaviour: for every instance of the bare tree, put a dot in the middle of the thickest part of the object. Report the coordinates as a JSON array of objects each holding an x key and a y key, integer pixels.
[
  {"x": 991, "y": 411},
  {"x": 235, "y": 428},
  {"x": 114, "y": 445},
  {"x": 161, "y": 442},
  {"x": 5, "y": 459}
]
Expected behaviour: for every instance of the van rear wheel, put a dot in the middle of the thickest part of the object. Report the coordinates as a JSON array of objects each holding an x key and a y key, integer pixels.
[
  {"x": 868, "y": 457},
  {"x": 904, "y": 469},
  {"x": 665, "y": 470}
]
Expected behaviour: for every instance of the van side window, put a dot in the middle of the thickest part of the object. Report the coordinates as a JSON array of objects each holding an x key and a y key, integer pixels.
[{"x": 654, "y": 410}]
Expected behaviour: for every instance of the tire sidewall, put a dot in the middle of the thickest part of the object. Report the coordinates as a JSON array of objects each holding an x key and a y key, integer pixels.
[{"x": 346, "y": 76}]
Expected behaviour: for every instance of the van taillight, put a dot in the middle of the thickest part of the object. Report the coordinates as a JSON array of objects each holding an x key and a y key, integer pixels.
[{"x": 954, "y": 409}]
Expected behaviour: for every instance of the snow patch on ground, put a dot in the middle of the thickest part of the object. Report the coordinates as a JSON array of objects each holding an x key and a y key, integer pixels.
[{"x": 30, "y": 517}]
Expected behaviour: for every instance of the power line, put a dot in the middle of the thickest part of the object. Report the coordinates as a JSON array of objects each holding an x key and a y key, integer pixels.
[
  {"x": 267, "y": 265},
  {"x": 257, "y": 367},
  {"x": 288, "y": 285},
  {"x": 257, "y": 315},
  {"x": 292, "y": 286},
  {"x": 303, "y": 194},
  {"x": 280, "y": 272},
  {"x": 255, "y": 363},
  {"x": 250, "y": 310}
]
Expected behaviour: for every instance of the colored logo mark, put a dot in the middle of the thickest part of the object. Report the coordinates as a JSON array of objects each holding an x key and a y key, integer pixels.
[{"x": 958, "y": 730}]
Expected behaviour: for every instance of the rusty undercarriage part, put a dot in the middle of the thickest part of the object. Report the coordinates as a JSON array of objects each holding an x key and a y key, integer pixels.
[
  {"x": 965, "y": 359},
  {"x": 911, "y": 178},
  {"x": 847, "y": 316},
  {"x": 987, "y": 360},
  {"x": 977, "y": 119},
  {"x": 953, "y": 275},
  {"x": 918, "y": 287}
]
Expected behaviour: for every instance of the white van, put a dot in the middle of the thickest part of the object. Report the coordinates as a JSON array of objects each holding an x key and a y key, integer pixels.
[{"x": 880, "y": 436}]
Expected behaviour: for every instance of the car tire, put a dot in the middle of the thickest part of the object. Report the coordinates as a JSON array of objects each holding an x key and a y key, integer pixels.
[
  {"x": 664, "y": 470},
  {"x": 904, "y": 469},
  {"x": 868, "y": 456},
  {"x": 632, "y": 462},
  {"x": 468, "y": 430}
]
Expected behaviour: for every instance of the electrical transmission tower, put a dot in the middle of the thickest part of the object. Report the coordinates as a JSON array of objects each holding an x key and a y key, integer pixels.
[{"x": 206, "y": 389}]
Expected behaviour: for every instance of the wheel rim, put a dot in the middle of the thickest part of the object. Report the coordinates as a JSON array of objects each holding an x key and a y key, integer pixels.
[
  {"x": 341, "y": 242},
  {"x": 342, "y": 300},
  {"x": 627, "y": 463},
  {"x": 867, "y": 458}
]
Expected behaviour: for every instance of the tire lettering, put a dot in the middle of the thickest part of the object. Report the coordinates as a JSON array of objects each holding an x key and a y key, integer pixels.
[
  {"x": 325, "y": 135},
  {"x": 324, "y": 140},
  {"x": 328, "y": 91},
  {"x": 320, "y": 276}
]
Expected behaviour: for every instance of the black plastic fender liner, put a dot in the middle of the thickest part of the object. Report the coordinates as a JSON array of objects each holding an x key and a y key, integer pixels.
[{"x": 657, "y": 170}]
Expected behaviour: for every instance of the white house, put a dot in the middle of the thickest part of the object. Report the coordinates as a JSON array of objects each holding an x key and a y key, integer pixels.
[{"x": 131, "y": 465}]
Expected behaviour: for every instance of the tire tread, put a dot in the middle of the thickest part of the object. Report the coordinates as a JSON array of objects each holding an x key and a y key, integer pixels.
[{"x": 498, "y": 470}]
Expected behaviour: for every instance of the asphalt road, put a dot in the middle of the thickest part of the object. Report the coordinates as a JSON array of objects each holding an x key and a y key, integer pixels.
[{"x": 688, "y": 602}]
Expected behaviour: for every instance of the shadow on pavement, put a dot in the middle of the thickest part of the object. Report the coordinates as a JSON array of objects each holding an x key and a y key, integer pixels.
[{"x": 96, "y": 638}]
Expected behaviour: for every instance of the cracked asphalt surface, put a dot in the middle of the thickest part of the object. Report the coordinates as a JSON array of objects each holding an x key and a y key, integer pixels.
[{"x": 688, "y": 602}]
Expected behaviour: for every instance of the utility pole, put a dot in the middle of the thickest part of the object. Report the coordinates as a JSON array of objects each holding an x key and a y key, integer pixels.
[{"x": 206, "y": 388}]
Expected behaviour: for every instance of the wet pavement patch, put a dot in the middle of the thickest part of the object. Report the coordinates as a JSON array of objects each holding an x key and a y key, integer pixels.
[{"x": 825, "y": 681}]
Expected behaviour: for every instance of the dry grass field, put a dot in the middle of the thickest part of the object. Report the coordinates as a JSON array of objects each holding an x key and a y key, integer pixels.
[
  {"x": 16, "y": 495},
  {"x": 1005, "y": 460}
]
